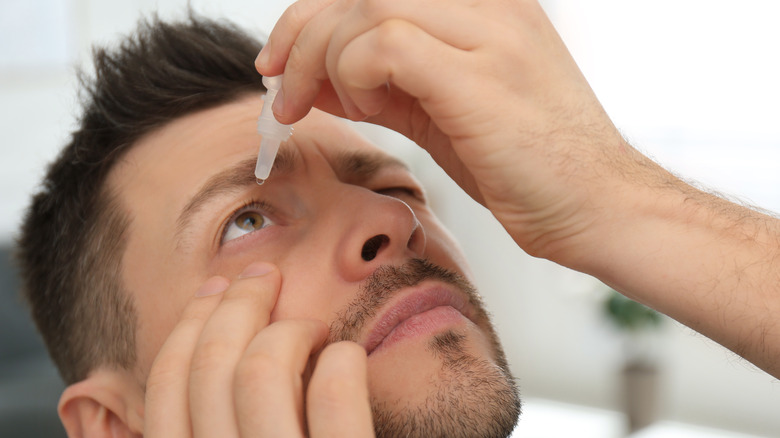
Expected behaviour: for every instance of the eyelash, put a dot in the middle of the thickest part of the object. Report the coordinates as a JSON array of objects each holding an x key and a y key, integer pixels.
[
  {"x": 416, "y": 194},
  {"x": 262, "y": 207}
]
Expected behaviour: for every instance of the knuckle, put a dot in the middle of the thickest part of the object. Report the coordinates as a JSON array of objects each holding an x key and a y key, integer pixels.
[
  {"x": 391, "y": 36},
  {"x": 161, "y": 378},
  {"x": 376, "y": 9},
  {"x": 209, "y": 356},
  {"x": 255, "y": 369},
  {"x": 295, "y": 16},
  {"x": 162, "y": 368},
  {"x": 297, "y": 58},
  {"x": 332, "y": 390}
]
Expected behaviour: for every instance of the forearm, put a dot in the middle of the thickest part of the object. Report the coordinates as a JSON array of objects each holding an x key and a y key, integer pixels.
[{"x": 710, "y": 264}]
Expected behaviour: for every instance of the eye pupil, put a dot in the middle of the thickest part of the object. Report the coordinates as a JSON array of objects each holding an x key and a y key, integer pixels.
[{"x": 250, "y": 221}]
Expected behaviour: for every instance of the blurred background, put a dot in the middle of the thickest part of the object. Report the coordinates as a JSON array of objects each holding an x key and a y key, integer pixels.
[{"x": 692, "y": 83}]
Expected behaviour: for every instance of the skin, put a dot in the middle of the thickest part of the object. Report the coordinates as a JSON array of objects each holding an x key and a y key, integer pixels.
[
  {"x": 241, "y": 355},
  {"x": 490, "y": 90}
]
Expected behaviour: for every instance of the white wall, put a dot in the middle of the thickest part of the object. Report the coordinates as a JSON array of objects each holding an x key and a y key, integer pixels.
[{"x": 691, "y": 82}]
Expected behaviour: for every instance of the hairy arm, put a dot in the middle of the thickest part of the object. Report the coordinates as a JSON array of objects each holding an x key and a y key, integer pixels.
[{"x": 709, "y": 263}]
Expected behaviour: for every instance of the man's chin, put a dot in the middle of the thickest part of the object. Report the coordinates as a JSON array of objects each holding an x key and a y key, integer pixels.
[
  {"x": 404, "y": 371},
  {"x": 446, "y": 385},
  {"x": 406, "y": 368}
]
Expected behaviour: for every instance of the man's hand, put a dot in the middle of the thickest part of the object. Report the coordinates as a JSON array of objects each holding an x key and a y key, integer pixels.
[
  {"x": 225, "y": 371},
  {"x": 487, "y": 87}
]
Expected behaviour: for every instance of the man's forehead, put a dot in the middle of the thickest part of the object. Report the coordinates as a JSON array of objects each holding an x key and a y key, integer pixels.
[{"x": 194, "y": 147}]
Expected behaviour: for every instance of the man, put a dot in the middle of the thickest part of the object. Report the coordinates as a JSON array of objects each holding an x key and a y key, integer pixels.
[
  {"x": 194, "y": 298},
  {"x": 339, "y": 244}
]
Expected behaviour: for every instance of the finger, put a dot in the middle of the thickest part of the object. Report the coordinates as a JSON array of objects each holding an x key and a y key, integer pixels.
[
  {"x": 337, "y": 401},
  {"x": 305, "y": 70},
  {"x": 459, "y": 23},
  {"x": 245, "y": 309},
  {"x": 166, "y": 404},
  {"x": 399, "y": 52},
  {"x": 334, "y": 25},
  {"x": 273, "y": 57},
  {"x": 269, "y": 380},
  {"x": 328, "y": 101},
  {"x": 453, "y": 23}
]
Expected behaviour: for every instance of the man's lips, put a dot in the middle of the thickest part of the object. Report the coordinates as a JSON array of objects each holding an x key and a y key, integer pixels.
[{"x": 438, "y": 304}]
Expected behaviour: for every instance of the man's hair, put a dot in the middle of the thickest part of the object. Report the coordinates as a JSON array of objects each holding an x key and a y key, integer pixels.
[{"x": 74, "y": 233}]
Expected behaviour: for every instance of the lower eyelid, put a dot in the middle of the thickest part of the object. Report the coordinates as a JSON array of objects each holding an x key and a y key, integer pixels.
[{"x": 249, "y": 234}]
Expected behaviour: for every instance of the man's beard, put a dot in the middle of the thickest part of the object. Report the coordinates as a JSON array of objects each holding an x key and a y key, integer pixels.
[{"x": 472, "y": 396}]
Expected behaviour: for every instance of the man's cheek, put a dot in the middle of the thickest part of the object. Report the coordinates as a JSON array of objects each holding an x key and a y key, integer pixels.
[{"x": 304, "y": 297}]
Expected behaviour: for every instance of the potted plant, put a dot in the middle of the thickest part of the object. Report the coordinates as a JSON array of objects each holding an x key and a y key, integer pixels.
[{"x": 637, "y": 325}]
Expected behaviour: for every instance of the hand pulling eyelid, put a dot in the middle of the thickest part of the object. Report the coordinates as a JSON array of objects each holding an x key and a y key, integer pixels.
[{"x": 273, "y": 132}]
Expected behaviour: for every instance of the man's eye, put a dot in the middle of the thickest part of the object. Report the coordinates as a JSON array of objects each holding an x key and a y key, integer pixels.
[
  {"x": 400, "y": 192},
  {"x": 243, "y": 222}
]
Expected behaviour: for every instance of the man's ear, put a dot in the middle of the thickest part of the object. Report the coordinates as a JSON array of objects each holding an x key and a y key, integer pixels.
[{"x": 108, "y": 403}]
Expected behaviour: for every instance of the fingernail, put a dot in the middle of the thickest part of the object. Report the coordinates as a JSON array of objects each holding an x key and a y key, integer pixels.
[
  {"x": 278, "y": 106},
  {"x": 263, "y": 58},
  {"x": 213, "y": 286},
  {"x": 256, "y": 270}
]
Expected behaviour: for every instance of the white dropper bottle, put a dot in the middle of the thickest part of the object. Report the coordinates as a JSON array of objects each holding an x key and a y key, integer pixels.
[{"x": 273, "y": 132}]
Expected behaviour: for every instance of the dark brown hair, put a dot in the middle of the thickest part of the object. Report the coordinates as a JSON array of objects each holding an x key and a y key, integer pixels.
[{"x": 74, "y": 232}]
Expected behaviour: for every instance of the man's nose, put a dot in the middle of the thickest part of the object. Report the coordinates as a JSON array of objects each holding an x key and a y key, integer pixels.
[{"x": 380, "y": 230}]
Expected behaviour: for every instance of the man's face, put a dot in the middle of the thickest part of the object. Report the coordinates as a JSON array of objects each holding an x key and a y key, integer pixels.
[{"x": 334, "y": 211}]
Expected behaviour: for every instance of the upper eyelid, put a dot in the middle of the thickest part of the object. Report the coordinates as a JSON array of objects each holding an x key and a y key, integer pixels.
[{"x": 412, "y": 189}]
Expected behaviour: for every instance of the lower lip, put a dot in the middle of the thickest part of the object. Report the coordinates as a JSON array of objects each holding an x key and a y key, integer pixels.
[{"x": 422, "y": 324}]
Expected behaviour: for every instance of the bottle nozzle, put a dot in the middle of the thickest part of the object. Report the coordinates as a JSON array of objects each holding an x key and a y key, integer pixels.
[{"x": 273, "y": 132}]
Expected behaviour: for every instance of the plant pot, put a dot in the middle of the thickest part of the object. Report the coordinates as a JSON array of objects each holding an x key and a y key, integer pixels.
[{"x": 640, "y": 394}]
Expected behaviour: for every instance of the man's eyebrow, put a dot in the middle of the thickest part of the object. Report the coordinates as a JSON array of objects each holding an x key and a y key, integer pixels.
[{"x": 237, "y": 177}]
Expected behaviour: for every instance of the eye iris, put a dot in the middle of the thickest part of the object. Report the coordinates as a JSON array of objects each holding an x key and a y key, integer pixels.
[{"x": 250, "y": 221}]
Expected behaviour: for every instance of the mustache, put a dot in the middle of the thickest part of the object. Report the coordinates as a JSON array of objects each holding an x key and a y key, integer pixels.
[{"x": 386, "y": 282}]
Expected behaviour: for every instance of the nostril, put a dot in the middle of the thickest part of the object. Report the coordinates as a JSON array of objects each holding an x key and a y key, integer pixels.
[{"x": 372, "y": 247}]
